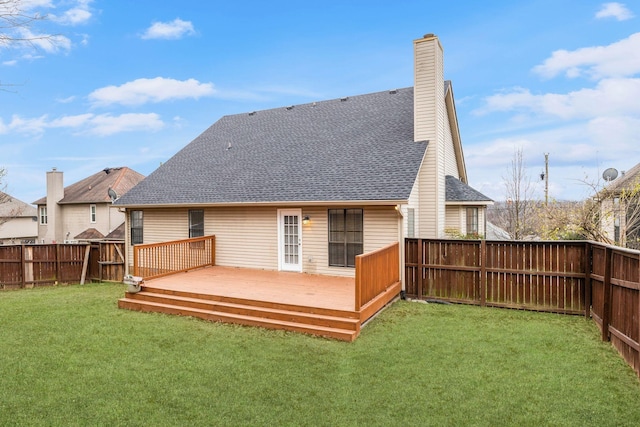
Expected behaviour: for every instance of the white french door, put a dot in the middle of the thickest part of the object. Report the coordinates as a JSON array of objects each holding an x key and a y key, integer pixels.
[{"x": 290, "y": 239}]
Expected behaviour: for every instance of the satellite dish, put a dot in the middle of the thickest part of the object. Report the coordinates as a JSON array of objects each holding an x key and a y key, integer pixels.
[
  {"x": 112, "y": 194},
  {"x": 610, "y": 174}
]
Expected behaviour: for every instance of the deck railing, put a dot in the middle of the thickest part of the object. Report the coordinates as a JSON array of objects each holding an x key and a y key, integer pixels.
[
  {"x": 162, "y": 259},
  {"x": 375, "y": 272}
]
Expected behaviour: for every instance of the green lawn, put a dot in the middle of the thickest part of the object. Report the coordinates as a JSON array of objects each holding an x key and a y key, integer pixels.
[{"x": 69, "y": 356}]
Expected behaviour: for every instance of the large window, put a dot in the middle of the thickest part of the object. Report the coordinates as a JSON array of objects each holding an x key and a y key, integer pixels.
[
  {"x": 43, "y": 215},
  {"x": 196, "y": 223},
  {"x": 345, "y": 236},
  {"x": 136, "y": 219},
  {"x": 92, "y": 213},
  {"x": 472, "y": 220}
]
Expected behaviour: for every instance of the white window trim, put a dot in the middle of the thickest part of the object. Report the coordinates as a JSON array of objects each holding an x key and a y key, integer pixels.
[
  {"x": 43, "y": 209},
  {"x": 93, "y": 214}
]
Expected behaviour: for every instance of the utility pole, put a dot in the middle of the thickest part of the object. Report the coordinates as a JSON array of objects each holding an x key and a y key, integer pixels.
[{"x": 546, "y": 179}]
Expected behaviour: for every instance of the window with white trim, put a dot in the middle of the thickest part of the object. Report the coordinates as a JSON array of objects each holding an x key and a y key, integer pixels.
[
  {"x": 92, "y": 213},
  {"x": 43, "y": 215},
  {"x": 472, "y": 220}
]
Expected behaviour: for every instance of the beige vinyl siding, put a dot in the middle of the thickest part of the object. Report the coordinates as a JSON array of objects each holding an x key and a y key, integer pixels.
[
  {"x": 380, "y": 226},
  {"x": 451, "y": 164},
  {"x": 244, "y": 237},
  {"x": 429, "y": 124},
  {"x": 454, "y": 218},
  {"x": 248, "y": 237}
]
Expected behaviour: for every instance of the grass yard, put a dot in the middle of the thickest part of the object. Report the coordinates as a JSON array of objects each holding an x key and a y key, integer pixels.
[{"x": 70, "y": 357}]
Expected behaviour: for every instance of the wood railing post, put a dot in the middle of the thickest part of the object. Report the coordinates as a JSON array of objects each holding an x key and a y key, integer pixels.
[
  {"x": 588, "y": 261},
  {"x": 606, "y": 306},
  {"x": 358, "y": 287},
  {"x": 483, "y": 273},
  {"x": 136, "y": 268}
]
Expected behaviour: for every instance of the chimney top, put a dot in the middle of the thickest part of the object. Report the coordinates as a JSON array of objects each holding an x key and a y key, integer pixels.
[
  {"x": 53, "y": 169},
  {"x": 428, "y": 36}
]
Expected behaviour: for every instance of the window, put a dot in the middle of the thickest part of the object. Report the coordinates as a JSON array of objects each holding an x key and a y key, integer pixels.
[
  {"x": 196, "y": 223},
  {"x": 136, "y": 219},
  {"x": 43, "y": 215},
  {"x": 345, "y": 236},
  {"x": 472, "y": 220},
  {"x": 92, "y": 213},
  {"x": 411, "y": 222}
]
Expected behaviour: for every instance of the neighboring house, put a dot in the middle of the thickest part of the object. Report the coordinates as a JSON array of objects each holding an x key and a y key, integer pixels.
[
  {"x": 466, "y": 209},
  {"x": 308, "y": 187},
  {"x": 17, "y": 221},
  {"x": 84, "y": 210},
  {"x": 620, "y": 209}
]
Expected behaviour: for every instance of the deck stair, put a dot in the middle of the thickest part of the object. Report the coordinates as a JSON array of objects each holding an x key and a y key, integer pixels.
[{"x": 331, "y": 323}]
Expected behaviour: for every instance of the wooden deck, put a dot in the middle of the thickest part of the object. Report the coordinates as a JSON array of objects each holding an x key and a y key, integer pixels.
[{"x": 313, "y": 304}]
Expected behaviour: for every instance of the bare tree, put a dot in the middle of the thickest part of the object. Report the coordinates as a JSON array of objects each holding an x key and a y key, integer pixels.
[
  {"x": 13, "y": 19},
  {"x": 520, "y": 206}
]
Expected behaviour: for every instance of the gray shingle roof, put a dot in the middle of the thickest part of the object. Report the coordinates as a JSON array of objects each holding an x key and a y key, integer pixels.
[
  {"x": 458, "y": 191},
  {"x": 359, "y": 148}
]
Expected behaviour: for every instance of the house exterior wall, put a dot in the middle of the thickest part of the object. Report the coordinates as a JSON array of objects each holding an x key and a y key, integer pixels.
[
  {"x": 15, "y": 230},
  {"x": 456, "y": 219},
  {"x": 248, "y": 237}
]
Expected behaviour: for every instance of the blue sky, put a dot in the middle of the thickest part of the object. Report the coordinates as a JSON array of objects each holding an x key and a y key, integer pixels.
[{"x": 130, "y": 83}]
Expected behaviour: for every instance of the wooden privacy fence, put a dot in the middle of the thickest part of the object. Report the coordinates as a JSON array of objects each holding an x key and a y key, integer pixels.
[
  {"x": 375, "y": 272},
  {"x": 161, "y": 259},
  {"x": 35, "y": 265},
  {"x": 545, "y": 276},
  {"x": 570, "y": 277}
]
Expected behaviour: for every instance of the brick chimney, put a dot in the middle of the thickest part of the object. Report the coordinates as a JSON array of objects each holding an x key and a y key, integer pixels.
[{"x": 430, "y": 119}]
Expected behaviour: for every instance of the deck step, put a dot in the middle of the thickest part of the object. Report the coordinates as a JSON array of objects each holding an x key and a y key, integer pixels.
[
  {"x": 345, "y": 329},
  {"x": 254, "y": 310}
]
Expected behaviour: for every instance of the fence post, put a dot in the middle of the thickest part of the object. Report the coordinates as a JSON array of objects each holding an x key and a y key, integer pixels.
[
  {"x": 57, "y": 279},
  {"x": 588, "y": 257},
  {"x": 606, "y": 306},
  {"x": 420, "y": 271},
  {"x": 483, "y": 273},
  {"x": 23, "y": 267}
]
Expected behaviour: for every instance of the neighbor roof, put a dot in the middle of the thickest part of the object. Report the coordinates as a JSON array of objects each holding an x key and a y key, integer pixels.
[
  {"x": 94, "y": 189},
  {"x": 626, "y": 181},
  {"x": 359, "y": 148},
  {"x": 12, "y": 207},
  {"x": 458, "y": 191}
]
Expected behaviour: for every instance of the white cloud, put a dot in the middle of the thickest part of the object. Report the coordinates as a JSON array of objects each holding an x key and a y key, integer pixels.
[
  {"x": 79, "y": 14},
  {"x": 609, "y": 97},
  {"x": 66, "y": 100},
  {"x": 141, "y": 91},
  {"x": 34, "y": 4},
  {"x": 85, "y": 124},
  {"x": 10, "y": 62},
  {"x": 173, "y": 30},
  {"x": 71, "y": 121},
  {"x": 31, "y": 126},
  {"x": 618, "y": 59},
  {"x": 46, "y": 42},
  {"x": 614, "y": 10},
  {"x": 106, "y": 124}
]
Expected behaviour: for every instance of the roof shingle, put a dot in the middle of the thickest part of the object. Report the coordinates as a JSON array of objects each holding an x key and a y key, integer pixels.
[{"x": 359, "y": 148}]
